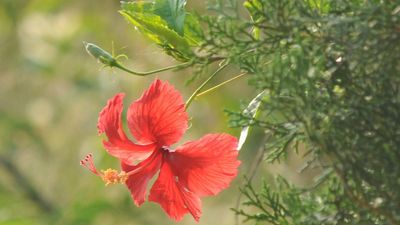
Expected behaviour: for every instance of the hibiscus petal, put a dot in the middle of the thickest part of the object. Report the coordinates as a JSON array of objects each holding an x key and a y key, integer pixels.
[
  {"x": 159, "y": 115},
  {"x": 208, "y": 165},
  {"x": 173, "y": 196},
  {"x": 137, "y": 182},
  {"x": 118, "y": 144}
]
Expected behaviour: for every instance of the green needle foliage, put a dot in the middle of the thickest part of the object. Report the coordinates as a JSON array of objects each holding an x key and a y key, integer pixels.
[{"x": 331, "y": 74}]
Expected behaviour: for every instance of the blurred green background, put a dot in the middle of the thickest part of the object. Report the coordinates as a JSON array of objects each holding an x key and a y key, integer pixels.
[{"x": 51, "y": 92}]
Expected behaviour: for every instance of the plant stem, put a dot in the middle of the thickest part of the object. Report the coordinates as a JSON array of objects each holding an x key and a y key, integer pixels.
[
  {"x": 23, "y": 183},
  {"x": 251, "y": 172},
  {"x": 195, "y": 93},
  {"x": 118, "y": 65},
  {"x": 221, "y": 84}
]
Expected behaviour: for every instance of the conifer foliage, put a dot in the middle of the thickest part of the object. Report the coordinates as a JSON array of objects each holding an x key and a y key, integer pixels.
[{"x": 331, "y": 74}]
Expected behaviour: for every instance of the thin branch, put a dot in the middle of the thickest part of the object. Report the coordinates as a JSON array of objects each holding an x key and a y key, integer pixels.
[
  {"x": 221, "y": 84},
  {"x": 196, "y": 92},
  {"x": 23, "y": 183},
  {"x": 252, "y": 172}
]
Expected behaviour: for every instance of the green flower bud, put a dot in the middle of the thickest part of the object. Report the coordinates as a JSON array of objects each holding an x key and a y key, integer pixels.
[{"x": 100, "y": 54}]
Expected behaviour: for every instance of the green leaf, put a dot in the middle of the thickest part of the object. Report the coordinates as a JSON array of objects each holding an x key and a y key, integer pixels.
[
  {"x": 167, "y": 24},
  {"x": 139, "y": 7},
  {"x": 173, "y": 12},
  {"x": 156, "y": 29},
  {"x": 321, "y": 5},
  {"x": 250, "y": 111},
  {"x": 254, "y": 7},
  {"x": 191, "y": 25}
]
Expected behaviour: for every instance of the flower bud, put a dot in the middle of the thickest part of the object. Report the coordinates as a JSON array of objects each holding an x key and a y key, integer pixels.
[{"x": 100, "y": 54}]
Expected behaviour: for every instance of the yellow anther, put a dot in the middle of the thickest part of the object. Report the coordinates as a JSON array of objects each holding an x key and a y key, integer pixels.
[{"x": 111, "y": 176}]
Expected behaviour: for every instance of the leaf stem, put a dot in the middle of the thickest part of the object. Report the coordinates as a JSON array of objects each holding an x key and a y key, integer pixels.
[
  {"x": 118, "y": 65},
  {"x": 221, "y": 84},
  {"x": 196, "y": 92}
]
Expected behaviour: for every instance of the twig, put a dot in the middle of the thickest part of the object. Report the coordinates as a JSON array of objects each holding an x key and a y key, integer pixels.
[
  {"x": 197, "y": 91},
  {"x": 23, "y": 183},
  {"x": 252, "y": 172},
  {"x": 221, "y": 84}
]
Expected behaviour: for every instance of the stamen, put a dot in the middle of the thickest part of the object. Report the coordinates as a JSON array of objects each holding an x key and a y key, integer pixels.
[{"x": 109, "y": 176}]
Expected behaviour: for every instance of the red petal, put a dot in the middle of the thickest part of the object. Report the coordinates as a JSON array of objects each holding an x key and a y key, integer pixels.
[
  {"x": 208, "y": 165},
  {"x": 118, "y": 144},
  {"x": 173, "y": 196},
  {"x": 137, "y": 182},
  {"x": 159, "y": 115}
]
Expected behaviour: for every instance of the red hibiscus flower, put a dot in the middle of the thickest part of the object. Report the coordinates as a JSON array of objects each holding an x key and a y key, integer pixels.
[{"x": 157, "y": 120}]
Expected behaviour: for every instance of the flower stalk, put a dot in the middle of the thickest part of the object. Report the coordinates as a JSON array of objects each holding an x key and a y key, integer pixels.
[
  {"x": 221, "y": 84},
  {"x": 196, "y": 92},
  {"x": 109, "y": 60}
]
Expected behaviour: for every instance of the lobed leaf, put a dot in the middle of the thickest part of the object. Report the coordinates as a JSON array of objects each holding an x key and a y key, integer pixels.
[
  {"x": 143, "y": 16},
  {"x": 173, "y": 12}
]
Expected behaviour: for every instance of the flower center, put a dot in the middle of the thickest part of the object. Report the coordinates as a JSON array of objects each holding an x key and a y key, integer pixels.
[
  {"x": 167, "y": 149},
  {"x": 111, "y": 176}
]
